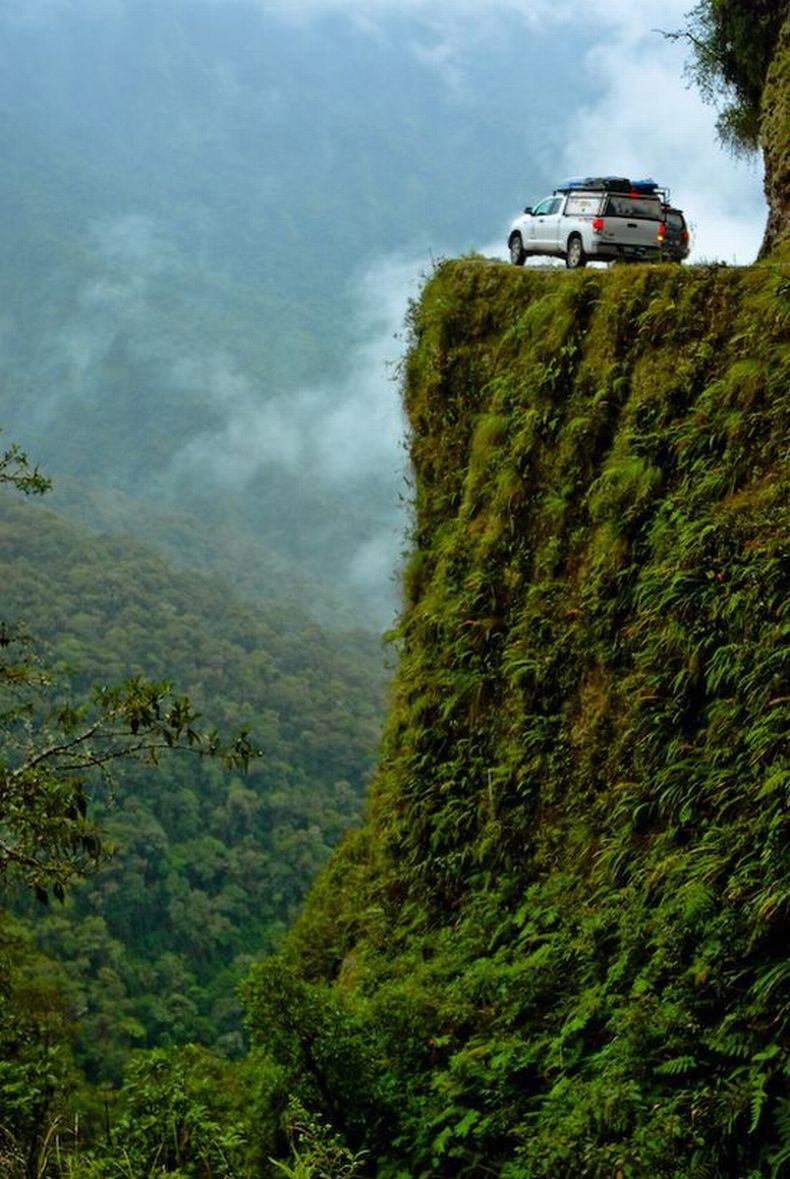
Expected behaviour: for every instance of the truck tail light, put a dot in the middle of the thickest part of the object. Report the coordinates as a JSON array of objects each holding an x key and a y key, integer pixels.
[
  {"x": 662, "y": 232},
  {"x": 684, "y": 237},
  {"x": 597, "y": 224}
]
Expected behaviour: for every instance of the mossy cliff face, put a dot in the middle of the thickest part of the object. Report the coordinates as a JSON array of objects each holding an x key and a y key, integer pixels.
[
  {"x": 561, "y": 939},
  {"x": 775, "y": 139}
]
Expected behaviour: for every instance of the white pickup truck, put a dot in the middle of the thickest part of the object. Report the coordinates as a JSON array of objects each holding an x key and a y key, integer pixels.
[{"x": 593, "y": 218}]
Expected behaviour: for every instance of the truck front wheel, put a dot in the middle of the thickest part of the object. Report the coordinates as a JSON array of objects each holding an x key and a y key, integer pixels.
[
  {"x": 517, "y": 251},
  {"x": 575, "y": 256}
]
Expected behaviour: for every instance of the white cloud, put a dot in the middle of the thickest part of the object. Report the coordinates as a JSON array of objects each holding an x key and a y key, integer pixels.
[
  {"x": 625, "y": 13},
  {"x": 344, "y": 437},
  {"x": 127, "y": 254},
  {"x": 343, "y": 433},
  {"x": 648, "y": 121},
  {"x": 367, "y": 12},
  {"x": 37, "y": 11},
  {"x": 130, "y": 243},
  {"x": 451, "y": 16}
]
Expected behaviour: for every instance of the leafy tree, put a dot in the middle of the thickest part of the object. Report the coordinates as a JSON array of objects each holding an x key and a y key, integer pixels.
[
  {"x": 180, "y": 1113},
  {"x": 48, "y": 838},
  {"x": 733, "y": 42},
  {"x": 316, "y": 1152},
  {"x": 37, "y": 1073},
  {"x": 327, "y": 1055},
  {"x": 15, "y": 470},
  {"x": 52, "y": 750}
]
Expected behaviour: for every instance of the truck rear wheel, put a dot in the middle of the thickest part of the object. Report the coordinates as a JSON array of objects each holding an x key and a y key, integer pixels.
[{"x": 575, "y": 256}]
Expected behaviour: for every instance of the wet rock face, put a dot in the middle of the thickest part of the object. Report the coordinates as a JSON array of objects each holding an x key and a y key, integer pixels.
[{"x": 775, "y": 139}]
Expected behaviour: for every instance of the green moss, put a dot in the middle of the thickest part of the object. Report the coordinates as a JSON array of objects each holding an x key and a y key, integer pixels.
[{"x": 775, "y": 142}]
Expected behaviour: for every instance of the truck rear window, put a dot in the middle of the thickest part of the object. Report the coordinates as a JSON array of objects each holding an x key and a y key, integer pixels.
[
  {"x": 580, "y": 204},
  {"x": 630, "y": 206}
]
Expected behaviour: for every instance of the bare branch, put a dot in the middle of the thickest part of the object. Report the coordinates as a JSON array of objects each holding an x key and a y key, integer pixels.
[{"x": 11, "y": 853}]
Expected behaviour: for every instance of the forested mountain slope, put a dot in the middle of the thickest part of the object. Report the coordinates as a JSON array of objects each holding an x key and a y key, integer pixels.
[{"x": 211, "y": 866}]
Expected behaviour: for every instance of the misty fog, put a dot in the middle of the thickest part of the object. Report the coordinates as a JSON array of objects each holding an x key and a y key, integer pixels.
[{"x": 215, "y": 212}]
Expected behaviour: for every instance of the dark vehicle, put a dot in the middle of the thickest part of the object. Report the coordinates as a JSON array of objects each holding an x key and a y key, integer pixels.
[{"x": 673, "y": 235}]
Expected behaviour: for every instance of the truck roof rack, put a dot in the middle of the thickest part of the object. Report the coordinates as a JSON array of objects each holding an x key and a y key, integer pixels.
[
  {"x": 595, "y": 184},
  {"x": 645, "y": 187}
]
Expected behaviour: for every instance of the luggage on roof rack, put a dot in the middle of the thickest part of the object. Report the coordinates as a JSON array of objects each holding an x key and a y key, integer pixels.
[{"x": 595, "y": 184}]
